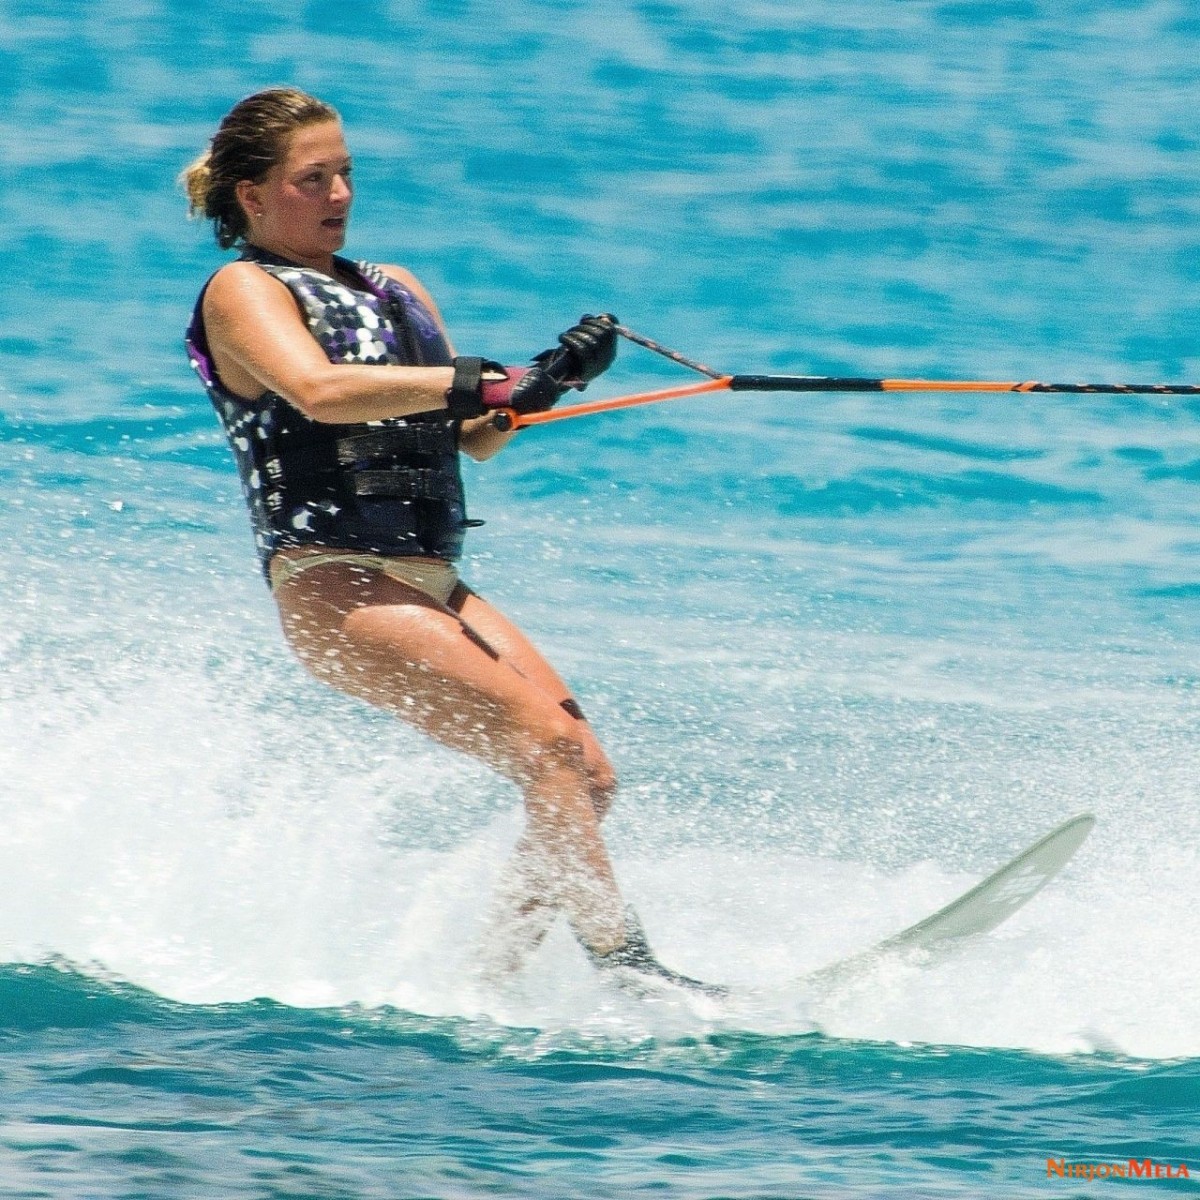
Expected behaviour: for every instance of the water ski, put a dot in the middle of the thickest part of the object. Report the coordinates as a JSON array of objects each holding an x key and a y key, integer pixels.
[{"x": 977, "y": 911}]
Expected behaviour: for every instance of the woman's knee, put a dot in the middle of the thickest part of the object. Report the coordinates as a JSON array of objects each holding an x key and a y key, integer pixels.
[
  {"x": 557, "y": 750},
  {"x": 552, "y": 745}
]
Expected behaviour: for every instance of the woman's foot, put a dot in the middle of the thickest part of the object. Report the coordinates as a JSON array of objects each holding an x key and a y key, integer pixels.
[{"x": 634, "y": 967}]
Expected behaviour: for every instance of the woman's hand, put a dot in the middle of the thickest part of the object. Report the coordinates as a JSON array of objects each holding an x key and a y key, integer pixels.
[
  {"x": 481, "y": 387},
  {"x": 587, "y": 350}
]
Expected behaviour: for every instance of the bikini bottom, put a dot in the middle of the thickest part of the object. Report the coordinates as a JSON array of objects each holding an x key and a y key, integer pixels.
[{"x": 435, "y": 577}]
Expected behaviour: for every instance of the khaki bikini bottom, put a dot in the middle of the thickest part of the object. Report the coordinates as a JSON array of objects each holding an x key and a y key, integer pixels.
[{"x": 433, "y": 576}]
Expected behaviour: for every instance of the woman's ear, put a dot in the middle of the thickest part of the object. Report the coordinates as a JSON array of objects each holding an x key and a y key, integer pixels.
[{"x": 247, "y": 194}]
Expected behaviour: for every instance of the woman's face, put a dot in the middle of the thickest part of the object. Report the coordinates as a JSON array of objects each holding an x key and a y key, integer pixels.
[{"x": 302, "y": 205}]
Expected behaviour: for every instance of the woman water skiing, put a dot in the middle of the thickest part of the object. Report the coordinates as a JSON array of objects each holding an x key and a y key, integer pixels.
[{"x": 346, "y": 408}]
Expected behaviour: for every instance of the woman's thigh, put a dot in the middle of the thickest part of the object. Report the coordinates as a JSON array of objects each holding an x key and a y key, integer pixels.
[
  {"x": 514, "y": 648},
  {"x": 386, "y": 643}
]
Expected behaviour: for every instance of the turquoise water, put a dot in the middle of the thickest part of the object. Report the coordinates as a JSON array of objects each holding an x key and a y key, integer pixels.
[{"x": 848, "y": 652}]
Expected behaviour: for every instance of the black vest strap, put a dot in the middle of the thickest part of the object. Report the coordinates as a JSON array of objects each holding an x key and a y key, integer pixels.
[{"x": 404, "y": 483}]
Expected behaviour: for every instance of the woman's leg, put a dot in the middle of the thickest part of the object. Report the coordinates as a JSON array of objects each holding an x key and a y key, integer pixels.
[
  {"x": 489, "y": 694},
  {"x": 514, "y": 648},
  {"x": 522, "y": 912}
]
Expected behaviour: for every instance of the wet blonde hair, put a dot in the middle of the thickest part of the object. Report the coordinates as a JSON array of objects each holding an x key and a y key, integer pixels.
[{"x": 251, "y": 139}]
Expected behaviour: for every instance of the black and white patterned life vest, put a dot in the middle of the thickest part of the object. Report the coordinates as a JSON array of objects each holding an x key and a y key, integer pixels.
[{"x": 384, "y": 487}]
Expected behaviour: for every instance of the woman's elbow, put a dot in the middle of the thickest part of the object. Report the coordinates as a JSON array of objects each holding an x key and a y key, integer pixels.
[
  {"x": 481, "y": 440},
  {"x": 318, "y": 399},
  {"x": 476, "y": 452}
]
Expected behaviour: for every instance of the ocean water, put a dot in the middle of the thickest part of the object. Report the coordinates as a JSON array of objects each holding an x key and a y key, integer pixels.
[{"x": 848, "y": 653}]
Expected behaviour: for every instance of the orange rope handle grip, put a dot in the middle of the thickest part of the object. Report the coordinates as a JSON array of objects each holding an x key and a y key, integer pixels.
[{"x": 952, "y": 385}]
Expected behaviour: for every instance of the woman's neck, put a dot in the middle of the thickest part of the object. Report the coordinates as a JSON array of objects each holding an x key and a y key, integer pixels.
[{"x": 325, "y": 263}]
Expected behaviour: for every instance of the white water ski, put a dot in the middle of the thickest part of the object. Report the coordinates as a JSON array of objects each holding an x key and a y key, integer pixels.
[{"x": 977, "y": 911}]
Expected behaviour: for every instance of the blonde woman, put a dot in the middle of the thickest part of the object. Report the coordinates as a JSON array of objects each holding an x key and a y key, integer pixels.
[{"x": 346, "y": 408}]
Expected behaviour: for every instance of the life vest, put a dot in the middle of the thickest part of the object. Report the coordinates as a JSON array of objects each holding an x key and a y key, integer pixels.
[{"x": 385, "y": 487}]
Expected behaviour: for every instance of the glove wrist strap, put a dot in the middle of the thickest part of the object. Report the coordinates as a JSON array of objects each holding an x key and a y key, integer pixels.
[{"x": 463, "y": 397}]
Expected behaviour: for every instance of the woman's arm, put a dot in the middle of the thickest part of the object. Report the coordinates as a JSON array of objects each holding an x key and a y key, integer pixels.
[{"x": 259, "y": 342}]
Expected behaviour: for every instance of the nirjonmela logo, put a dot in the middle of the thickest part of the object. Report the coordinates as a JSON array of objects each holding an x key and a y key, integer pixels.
[{"x": 1145, "y": 1168}]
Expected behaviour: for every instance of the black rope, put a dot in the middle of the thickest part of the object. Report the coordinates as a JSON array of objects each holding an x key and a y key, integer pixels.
[{"x": 666, "y": 352}]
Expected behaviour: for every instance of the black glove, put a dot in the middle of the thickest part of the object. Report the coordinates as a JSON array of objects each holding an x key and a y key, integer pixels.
[
  {"x": 482, "y": 386},
  {"x": 534, "y": 390},
  {"x": 587, "y": 350}
]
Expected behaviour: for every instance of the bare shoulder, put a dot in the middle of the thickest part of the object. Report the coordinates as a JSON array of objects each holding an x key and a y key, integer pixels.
[
  {"x": 238, "y": 284},
  {"x": 242, "y": 301}
]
